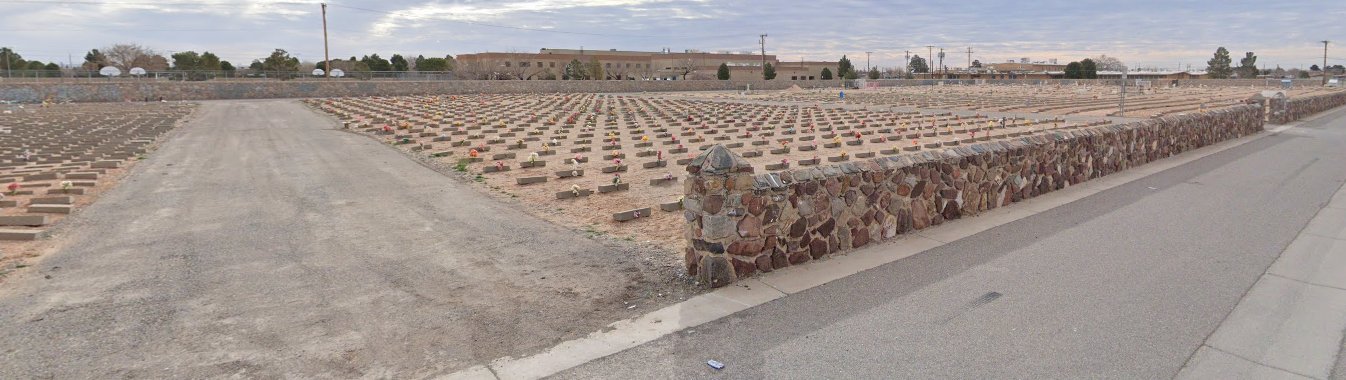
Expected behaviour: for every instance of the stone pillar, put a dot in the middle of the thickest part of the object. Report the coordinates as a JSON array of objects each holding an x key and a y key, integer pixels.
[{"x": 715, "y": 214}]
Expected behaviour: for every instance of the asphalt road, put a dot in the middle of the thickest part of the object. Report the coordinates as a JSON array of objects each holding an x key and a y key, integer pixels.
[
  {"x": 1126, "y": 283},
  {"x": 259, "y": 242}
]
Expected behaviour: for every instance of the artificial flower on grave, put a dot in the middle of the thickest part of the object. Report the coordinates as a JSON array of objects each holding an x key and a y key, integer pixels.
[
  {"x": 616, "y": 179},
  {"x": 14, "y": 187},
  {"x": 499, "y": 166},
  {"x": 472, "y": 153}
]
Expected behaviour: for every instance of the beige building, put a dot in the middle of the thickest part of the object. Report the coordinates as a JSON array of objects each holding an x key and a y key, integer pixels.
[{"x": 631, "y": 65}]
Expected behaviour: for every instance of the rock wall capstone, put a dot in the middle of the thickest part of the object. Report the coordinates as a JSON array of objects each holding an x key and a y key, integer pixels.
[
  {"x": 1289, "y": 110},
  {"x": 739, "y": 222}
]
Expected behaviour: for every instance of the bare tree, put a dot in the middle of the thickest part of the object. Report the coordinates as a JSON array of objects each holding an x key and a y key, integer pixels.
[
  {"x": 619, "y": 70},
  {"x": 645, "y": 71},
  {"x": 685, "y": 66},
  {"x": 1106, "y": 63},
  {"x": 126, "y": 56}
]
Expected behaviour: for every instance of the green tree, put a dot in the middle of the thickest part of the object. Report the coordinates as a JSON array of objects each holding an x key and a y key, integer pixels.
[
  {"x": 9, "y": 60},
  {"x": 186, "y": 60},
  {"x": 976, "y": 63},
  {"x": 1088, "y": 69},
  {"x": 768, "y": 71},
  {"x": 873, "y": 73},
  {"x": 1315, "y": 68},
  {"x": 280, "y": 60},
  {"x": 1074, "y": 70},
  {"x": 452, "y": 63},
  {"x": 376, "y": 63},
  {"x": 398, "y": 63},
  {"x": 575, "y": 70},
  {"x": 918, "y": 65},
  {"x": 595, "y": 69},
  {"x": 1219, "y": 66},
  {"x": 226, "y": 66},
  {"x": 210, "y": 61},
  {"x": 94, "y": 60},
  {"x": 1248, "y": 66},
  {"x": 827, "y": 74},
  {"x": 844, "y": 68},
  {"x": 723, "y": 72},
  {"x": 433, "y": 64},
  {"x": 1303, "y": 75}
]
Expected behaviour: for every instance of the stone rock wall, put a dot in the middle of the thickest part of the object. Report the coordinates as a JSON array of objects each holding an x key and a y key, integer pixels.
[
  {"x": 119, "y": 91},
  {"x": 740, "y": 223},
  {"x": 1289, "y": 110}
]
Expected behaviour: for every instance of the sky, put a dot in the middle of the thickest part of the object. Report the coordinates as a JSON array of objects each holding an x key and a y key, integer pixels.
[{"x": 1142, "y": 33}]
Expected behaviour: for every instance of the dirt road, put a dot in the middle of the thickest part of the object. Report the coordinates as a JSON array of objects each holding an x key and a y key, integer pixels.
[{"x": 261, "y": 242}]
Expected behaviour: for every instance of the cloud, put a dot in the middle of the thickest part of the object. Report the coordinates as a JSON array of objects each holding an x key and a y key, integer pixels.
[{"x": 1141, "y": 32}]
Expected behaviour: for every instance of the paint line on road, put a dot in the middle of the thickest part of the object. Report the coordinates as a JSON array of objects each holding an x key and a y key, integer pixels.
[{"x": 741, "y": 295}]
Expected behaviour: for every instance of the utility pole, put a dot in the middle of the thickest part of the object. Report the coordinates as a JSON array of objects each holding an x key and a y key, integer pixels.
[
  {"x": 762, "y": 40},
  {"x": 326, "y": 55},
  {"x": 929, "y": 56},
  {"x": 1325, "y": 42},
  {"x": 941, "y": 62},
  {"x": 1121, "y": 108},
  {"x": 867, "y": 65},
  {"x": 906, "y": 65}
]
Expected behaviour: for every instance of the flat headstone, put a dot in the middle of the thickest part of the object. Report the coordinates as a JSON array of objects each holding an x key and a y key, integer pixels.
[
  {"x": 50, "y": 208},
  {"x": 632, "y": 214},
  {"x": 23, "y": 220},
  {"x": 71, "y": 191},
  {"x": 13, "y": 234},
  {"x": 573, "y": 193},
  {"x": 494, "y": 169},
  {"x": 613, "y": 188},
  {"x": 531, "y": 180},
  {"x": 671, "y": 206},
  {"x": 53, "y": 200},
  {"x": 663, "y": 181}
]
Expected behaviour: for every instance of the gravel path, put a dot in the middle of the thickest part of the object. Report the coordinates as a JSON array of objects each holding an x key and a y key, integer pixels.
[{"x": 260, "y": 242}]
